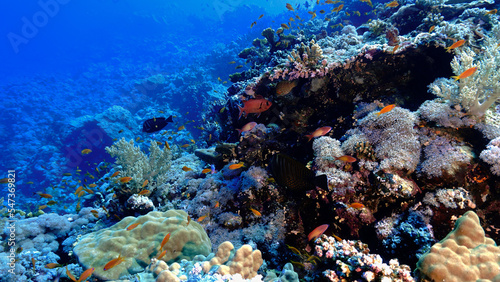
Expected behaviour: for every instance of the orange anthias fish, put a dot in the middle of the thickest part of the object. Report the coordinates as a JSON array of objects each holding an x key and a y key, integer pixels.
[
  {"x": 386, "y": 109},
  {"x": 491, "y": 12},
  {"x": 145, "y": 183},
  {"x": 318, "y": 231},
  {"x": 319, "y": 132},
  {"x": 70, "y": 275},
  {"x": 144, "y": 192},
  {"x": 132, "y": 226},
  {"x": 202, "y": 218},
  {"x": 369, "y": 2},
  {"x": 162, "y": 254},
  {"x": 78, "y": 190},
  {"x": 392, "y": 4},
  {"x": 44, "y": 195},
  {"x": 254, "y": 106},
  {"x": 52, "y": 265},
  {"x": 125, "y": 179},
  {"x": 115, "y": 174},
  {"x": 346, "y": 159},
  {"x": 247, "y": 127},
  {"x": 185, "y": 168},
  {"x": 394, "y": 49},
  {"x": 456, "y": 45},
  {"x": 114, "y": 262},
  {"x": 356, "y": 205},
  {"x": 86, "y": 274},
  {"x": 289, "y": 7},
  {"x": 165, "y": 240},
  {"x": 465, "y": 74},
  {"x": 337, "y": 9},
  {"x": 255, "y": 212},
  {"x": 236, "y": 166}
]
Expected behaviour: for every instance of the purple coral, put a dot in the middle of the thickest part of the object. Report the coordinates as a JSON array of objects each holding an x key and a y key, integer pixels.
[
  {"x": 444, "y": 157},
  {"x": 492, "y": 155}
]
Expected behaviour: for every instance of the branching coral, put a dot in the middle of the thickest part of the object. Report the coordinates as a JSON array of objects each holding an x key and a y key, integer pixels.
[
  {"x": 352, "y": 260},
  {"x": 305, "y": 61},
  {"x": 140, "y": 166}
]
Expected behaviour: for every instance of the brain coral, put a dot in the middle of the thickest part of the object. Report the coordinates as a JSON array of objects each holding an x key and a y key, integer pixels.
[
  {"x": 139, "y": 245},
  {"x": 465, "y": 254}
]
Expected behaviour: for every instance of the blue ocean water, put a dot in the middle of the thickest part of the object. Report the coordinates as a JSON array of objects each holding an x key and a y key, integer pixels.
[{"x": 66, "y": 59}]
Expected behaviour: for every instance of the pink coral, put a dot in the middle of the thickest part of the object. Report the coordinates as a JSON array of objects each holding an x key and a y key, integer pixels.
[{"x": 352, "y": 259}]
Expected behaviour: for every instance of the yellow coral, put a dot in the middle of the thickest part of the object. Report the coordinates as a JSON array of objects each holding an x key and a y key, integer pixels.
[
  {"x": 245, "y": 261},
  {"x": 465, "y": 254},
  {"x": 139, "y": 245}
]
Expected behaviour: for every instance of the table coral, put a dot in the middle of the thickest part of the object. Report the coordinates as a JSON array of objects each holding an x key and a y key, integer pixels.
[
  {"x": 139, "y": 245},
  {"x": 464, "y": 255}
]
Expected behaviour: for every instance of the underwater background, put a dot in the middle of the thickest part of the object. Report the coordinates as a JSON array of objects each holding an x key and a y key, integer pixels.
[{"x": 231, "y": 140}]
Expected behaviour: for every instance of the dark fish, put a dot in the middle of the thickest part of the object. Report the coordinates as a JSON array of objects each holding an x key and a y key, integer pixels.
[
  {"x": 294, "y": 175},
  {"x": 155, "y": 124}
]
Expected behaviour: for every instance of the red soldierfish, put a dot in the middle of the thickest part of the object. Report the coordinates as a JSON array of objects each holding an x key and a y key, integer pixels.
[
  {"x": 254, "y": 106},
  {"x": 247, "y": 127},
  {"x": 319, "y": 132}
]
